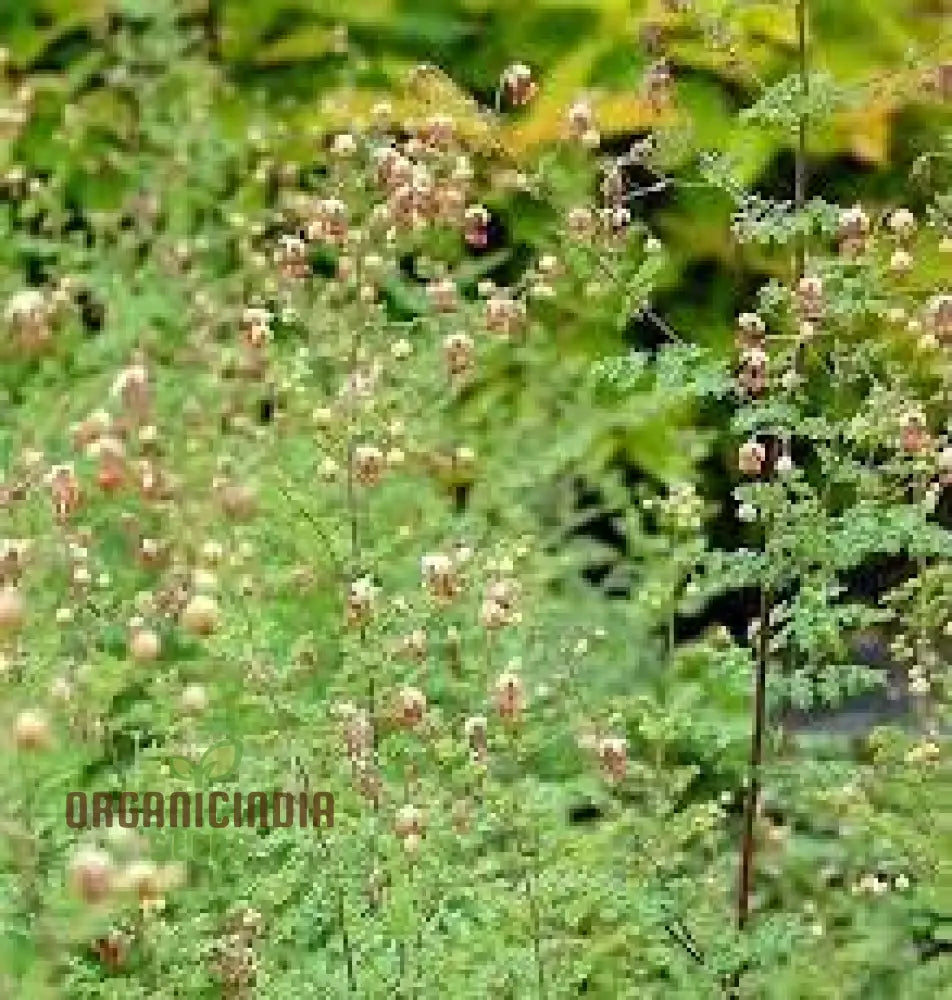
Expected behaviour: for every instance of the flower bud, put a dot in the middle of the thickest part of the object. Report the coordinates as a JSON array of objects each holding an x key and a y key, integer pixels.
[
  {"x": 91, "y": 875},
  {"x": 913, "y": 432},
  {"x": 368, "y": 465},
  {"x": 200, "y": 616},
  {"x": 32, "y": 730},
  {"x": 144, "y": 645},
  {"x": 12, "y": 610},
  {"x": 751, "y": 457},
  {"x": 509, "y": 696},
  {"x": 902, "y": 223},
  {"x": 613, "y": 757},
  {"x": 517, "y": 85},
  {"x": 411, "y": 706},
  {"x": 194, "y": 699},
  {"x": 409, "y": 822}
]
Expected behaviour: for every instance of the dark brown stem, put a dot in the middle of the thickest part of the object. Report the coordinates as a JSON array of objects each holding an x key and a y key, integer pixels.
[
  {"x": 748, "y": 844},
  {"x": 759, "y": 722},
  {"x": 345, "y": 939}
]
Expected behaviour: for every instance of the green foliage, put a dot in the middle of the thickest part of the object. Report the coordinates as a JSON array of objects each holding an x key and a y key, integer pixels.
[{"x": 295, "y": 480}]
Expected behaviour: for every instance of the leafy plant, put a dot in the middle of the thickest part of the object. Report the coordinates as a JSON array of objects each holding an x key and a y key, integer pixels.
[{"x": 325, "y": 470}]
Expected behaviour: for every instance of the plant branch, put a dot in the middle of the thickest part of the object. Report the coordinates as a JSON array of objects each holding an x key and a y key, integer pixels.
[{"x": 748, "y": 845}]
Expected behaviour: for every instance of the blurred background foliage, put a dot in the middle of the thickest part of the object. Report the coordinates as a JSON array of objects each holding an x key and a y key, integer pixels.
[
  {"x": 325, "y": 63},
  {"x": 315, "y": 66}
]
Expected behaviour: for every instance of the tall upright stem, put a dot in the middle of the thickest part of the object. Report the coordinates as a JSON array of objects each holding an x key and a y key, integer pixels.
[
  {"x": 748, "y": 841},
  {"x": 759, "y": 721},
  {"x": 355, "y": 545},
  {"x": 345, "y": 937}
]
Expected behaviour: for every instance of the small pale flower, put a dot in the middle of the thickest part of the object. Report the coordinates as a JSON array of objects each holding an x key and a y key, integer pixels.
[
  {"x": 751, "y": 457},
  {"x": 517, "y": 85}
]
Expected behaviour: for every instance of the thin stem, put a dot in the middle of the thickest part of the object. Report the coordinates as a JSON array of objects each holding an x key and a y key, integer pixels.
[
  {"x": 345, "y": 938},
  {"x": 312, "y": 520},
  {"x": 681, "y": 938},
  {"x": 353, "y": 515},
  {"x": 536, "y": 925},
  {"x": 759, "y": 720},
  {"x": 418, "y": 920},
  {"x": 922, "y": 601},
  {"x": 663, "y": 325},
  {"x": 339, "y": 885},
  {"x": 352, "y": 506},
  {"x": 748, "y": 845},
  {"x": 31, "y": 893}
]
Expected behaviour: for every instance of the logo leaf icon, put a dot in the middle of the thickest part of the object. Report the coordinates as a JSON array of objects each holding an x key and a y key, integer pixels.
[
  {"x": 220, "y": 762},
  {"x": 182, "y": 768}
]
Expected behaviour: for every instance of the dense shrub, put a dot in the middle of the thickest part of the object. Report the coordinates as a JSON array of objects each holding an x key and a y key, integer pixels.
[{"x": 300, "y": 466}]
